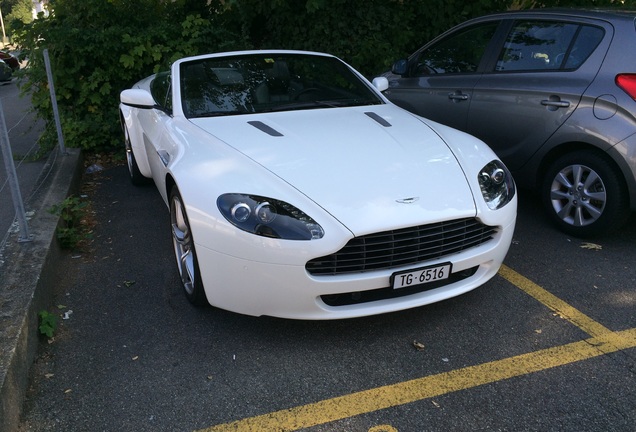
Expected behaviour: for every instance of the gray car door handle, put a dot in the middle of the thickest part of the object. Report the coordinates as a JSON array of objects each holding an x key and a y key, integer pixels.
[
  {"x": 556, "y": 104},
  {"x": 458, "y": 96}
]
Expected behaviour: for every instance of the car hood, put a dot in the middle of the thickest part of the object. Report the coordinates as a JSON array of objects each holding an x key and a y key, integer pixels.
[{"x": 372, "y": 168}]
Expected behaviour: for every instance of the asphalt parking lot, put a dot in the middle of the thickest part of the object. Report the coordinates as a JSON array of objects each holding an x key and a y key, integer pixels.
[{"x": 548, "y": 344}]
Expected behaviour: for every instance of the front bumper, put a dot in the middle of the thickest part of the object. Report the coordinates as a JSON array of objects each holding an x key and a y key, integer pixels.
[{"x": 289, "y": 291}]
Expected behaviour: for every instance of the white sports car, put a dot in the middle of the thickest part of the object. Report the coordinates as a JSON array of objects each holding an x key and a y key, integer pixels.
[{"x": 297, "y": 190}]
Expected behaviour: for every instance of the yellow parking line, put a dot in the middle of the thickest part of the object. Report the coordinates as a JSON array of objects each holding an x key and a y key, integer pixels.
[
  {"x": 603, "y": 341},
  {"x": 564, "y": 310},
  {"x": 367, "y": 401}
]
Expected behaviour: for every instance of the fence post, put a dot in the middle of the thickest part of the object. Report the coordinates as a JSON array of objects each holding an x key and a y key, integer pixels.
[
  {"x": 56, "y": 115},
  {"x": 7, "y": 154}
]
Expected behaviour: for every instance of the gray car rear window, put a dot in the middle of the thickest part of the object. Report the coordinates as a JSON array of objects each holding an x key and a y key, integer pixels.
[{"x": 547, "y": 45}]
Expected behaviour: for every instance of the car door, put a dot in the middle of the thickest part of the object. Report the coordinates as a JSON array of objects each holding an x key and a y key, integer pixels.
[
  {"x": 535, "y": 83},
  {"x": 439, "y": 79},
  {"x": 153, "y": 123}
]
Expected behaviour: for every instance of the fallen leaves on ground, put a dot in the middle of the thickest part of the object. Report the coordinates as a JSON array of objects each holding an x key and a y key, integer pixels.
[
  {"x": 592, "y": 246},
  {"x": 418, "y": 345}
]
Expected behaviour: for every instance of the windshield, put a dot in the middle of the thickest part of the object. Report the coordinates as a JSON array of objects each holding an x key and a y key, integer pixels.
[{"x": 260, "y": 83}]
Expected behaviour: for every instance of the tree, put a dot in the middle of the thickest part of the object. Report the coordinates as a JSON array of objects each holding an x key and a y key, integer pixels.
[
  {"x": 369, "y": 34},
  {"x": 12, "y": 10},
  {"x": 100, "y": 47}
]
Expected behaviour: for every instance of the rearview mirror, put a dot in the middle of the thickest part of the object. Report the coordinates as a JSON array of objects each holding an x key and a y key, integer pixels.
[
  {"x": 381, "y": 83},
  {"x": 400, "y": 67},
  {"x": 137, "y": 98}
]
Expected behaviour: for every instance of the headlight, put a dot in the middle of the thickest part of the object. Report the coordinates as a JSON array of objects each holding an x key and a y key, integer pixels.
[
  {"x": 268, "y": 217},
  {"x": 496, "y": 184}
]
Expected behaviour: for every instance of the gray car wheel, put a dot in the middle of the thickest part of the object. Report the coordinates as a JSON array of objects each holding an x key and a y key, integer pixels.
[
  {"x": 184, "y": 251},
  {"x": 584, "y": 194}
]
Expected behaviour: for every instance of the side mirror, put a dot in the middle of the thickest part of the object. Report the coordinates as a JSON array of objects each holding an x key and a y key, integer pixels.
[
  {"x": 381, "y": 83},
  {"x": 137, "y": 98},
  {"x": 400, "y": 67}
]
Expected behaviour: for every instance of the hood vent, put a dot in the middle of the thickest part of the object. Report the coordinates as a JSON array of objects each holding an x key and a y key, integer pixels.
[
  {"x": 264, "y": 128},
  {"x": 379, "y": 119}
]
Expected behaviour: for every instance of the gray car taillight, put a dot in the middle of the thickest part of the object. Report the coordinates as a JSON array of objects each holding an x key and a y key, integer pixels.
[{"x": 627, "y": 82}]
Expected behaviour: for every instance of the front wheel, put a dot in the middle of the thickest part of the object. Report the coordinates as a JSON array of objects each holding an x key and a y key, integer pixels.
[
  {"x": 584, "y": 194},
  {"x": 184, "y": 251},
  {"x": 136, "y": 177}
]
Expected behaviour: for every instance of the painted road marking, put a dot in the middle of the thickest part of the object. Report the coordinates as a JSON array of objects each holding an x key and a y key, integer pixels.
[
  {"x": 603, "y": 341},
  {"x": 565, "y": 310}
]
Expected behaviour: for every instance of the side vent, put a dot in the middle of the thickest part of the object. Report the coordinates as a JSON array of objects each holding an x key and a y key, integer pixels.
[
  {"x": 164, "y": 156},
  {"x": 264, "y": 128}
]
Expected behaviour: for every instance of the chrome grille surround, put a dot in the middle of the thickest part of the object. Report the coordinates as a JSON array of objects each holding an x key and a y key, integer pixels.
[{"x": 402, "y": 247}]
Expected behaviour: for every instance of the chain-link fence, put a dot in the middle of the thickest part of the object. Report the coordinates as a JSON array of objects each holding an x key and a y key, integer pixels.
[
  {"x": 22, "y": 161},
  {"x": 23, "y": 164}
]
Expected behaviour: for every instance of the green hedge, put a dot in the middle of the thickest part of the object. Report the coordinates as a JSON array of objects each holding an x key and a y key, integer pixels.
[
  {"x": 368, "y": 34},
  {"x": 100, "y": 47}
]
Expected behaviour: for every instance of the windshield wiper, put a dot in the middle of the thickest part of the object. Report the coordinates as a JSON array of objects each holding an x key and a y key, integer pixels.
[
  {"x": 294, "y": 106},
  {"x": 218, "y": 113},
  {"x": 312, "y": 104}
]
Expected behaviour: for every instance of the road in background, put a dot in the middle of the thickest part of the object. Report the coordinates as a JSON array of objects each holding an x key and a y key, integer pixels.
[
  {"x": 24, "y": 131},
  {"x": 546, "y": 345}
]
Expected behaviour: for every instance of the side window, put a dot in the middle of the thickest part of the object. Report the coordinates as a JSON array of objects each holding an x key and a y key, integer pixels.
[
  {"x": 586, "y": 42},
  {"x": 547, "y": 45},
  {"x": 458, "y": 53},
  {"x": 160, "y": 90}
]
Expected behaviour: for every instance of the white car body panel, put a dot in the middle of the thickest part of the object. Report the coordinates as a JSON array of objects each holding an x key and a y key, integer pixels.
[
  {"x": 338, "y": 165},
  {"x": 287, "y": 291},
  {"x": 362, "y": 200}
]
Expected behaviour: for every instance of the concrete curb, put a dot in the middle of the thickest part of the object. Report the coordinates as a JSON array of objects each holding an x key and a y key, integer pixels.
[{"x": 27, "y": 278}]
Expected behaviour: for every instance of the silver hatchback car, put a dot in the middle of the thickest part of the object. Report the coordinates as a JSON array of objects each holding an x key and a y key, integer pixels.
[{"x": 553, "y": 92}]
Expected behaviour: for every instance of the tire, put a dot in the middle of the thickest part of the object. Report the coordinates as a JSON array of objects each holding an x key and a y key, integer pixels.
[
  {"x": 136, "y": 177},
  {"x": 184, "y": 251},
  {"x": 584, "y": 194}
]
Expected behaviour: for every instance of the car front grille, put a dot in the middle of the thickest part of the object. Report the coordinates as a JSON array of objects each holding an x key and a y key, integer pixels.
[{"x": 401, "y": 247}]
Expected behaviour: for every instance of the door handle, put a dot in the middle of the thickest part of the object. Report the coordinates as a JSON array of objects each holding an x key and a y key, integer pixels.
[
  {"x": 555, "y": 103},
  {"x": 457, "y": 96}
]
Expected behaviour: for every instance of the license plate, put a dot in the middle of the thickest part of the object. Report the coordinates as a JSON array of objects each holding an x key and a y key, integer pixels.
[{"x": 421, "y": 276}]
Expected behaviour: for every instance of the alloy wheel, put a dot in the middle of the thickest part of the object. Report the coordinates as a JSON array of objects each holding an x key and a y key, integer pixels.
[
  {"x": 578, "y": 195},
  {"x": 183, "y": 245}
]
